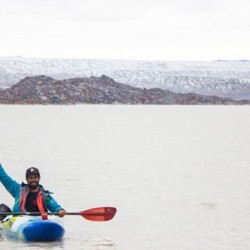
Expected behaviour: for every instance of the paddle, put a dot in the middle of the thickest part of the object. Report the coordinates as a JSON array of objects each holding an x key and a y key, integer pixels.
[{"x": 93, "y": 214}]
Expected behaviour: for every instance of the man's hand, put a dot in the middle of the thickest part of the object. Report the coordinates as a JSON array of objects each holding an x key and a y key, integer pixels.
[{"x": 61, "y": 212}]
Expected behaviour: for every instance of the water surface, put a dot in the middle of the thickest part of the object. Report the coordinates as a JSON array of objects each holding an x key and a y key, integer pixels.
[{"x": 178, "y": 175}]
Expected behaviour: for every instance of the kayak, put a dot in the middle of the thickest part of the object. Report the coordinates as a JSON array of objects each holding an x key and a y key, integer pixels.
[
  {"x": 45, "y": 227},
  {"x": 34, "y": 228}
]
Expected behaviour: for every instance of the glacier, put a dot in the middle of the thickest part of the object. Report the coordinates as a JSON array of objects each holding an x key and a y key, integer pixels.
[{"x": 229, "y": 79}]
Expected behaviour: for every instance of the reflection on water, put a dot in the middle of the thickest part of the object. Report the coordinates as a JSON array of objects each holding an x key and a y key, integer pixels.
[
  {"x": 99, "y": 244},
  {"x": 64, "y": 244}
]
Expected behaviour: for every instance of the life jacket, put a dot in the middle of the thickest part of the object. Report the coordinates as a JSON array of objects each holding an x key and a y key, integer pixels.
[{"x": 23, "y": 196}]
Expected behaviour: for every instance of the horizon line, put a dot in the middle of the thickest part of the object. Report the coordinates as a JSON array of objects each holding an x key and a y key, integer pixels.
[{"x": 116, "y": 59}]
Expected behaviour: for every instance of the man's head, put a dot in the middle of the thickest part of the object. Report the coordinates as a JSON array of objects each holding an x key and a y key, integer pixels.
[{"x": 33, "y": 177}]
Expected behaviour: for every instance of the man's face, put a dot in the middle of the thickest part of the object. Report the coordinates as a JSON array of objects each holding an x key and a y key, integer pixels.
[{"x": 33, "y": 181}]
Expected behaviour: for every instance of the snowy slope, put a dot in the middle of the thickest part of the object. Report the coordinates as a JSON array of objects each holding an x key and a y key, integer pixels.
[{"x": 221, "y": 78}]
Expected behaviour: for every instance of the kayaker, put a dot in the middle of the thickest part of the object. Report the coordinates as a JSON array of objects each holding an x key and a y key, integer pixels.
[{"x": 30, "y": 197}]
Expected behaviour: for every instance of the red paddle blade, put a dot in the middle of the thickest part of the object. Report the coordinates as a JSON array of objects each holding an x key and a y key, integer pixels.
[{"x": 99, "y": 213}]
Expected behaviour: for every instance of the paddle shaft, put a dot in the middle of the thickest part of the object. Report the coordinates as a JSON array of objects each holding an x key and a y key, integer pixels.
[
  {"x": 48, "y": 213},
  {"x": 36, "y": 213}
]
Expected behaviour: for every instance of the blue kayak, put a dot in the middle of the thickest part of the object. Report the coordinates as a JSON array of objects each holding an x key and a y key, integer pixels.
[{"x": 34, "y": 228}]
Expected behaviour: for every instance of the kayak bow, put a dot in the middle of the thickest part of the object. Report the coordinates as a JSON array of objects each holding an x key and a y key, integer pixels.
[{"x": 34, "y": 228}]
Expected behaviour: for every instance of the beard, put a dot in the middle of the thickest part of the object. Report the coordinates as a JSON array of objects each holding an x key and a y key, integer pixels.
[{"x": 33, "y": 185}]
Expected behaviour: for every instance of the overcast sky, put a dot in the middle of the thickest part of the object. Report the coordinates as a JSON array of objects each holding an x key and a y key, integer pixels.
[{"x": 126, "y": 29}]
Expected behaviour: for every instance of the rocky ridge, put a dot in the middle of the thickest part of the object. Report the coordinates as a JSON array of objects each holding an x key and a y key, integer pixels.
[
  {"x": 228, "y": 79},
  {"x": 97, "y": 90}
]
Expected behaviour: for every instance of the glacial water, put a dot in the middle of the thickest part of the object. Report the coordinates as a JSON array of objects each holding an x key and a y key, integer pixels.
[{"x": 178, "y": 175}]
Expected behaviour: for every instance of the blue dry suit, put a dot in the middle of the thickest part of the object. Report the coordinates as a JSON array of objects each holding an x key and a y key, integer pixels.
[{"x": 18, "y": 190}]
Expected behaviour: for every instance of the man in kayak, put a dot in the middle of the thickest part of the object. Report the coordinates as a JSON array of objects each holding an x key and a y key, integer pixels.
[{"x": 30, "y": 197}]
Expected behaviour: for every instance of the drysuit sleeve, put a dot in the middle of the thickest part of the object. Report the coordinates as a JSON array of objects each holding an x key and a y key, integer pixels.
[
  {"x": 11, "y": 185},
  {"x": 51, "y": 204}
]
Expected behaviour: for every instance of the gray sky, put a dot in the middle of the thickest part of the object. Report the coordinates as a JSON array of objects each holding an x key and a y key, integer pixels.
[{"x": 126, "y": 29}]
